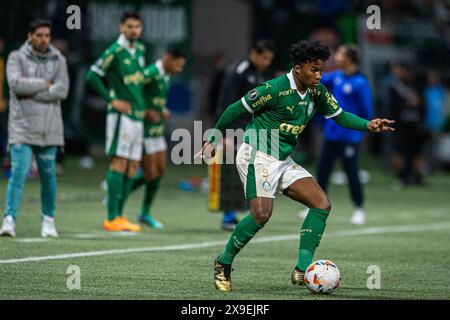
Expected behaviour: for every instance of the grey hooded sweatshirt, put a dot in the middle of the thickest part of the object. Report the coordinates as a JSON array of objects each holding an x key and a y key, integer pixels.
[{"x": 35, "y": 116}]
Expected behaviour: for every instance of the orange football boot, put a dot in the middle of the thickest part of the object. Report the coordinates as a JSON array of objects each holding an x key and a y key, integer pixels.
[
  {"x": 120, "y": 224},
  {"x": 129, "y": 226}
]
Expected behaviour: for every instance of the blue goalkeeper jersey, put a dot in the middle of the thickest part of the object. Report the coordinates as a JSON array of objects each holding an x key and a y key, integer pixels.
[{"x": 353, "y": 95}]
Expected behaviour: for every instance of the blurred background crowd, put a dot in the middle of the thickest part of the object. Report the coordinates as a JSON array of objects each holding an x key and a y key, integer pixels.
[{"x": 407, "y": 62}]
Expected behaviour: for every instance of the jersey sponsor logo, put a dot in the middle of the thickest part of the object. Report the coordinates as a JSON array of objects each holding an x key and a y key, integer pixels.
[
  {"x": 139, "y": 114},
  {"x": 157, "y": 130},
  {"x": 290, "y": 128},
  {"x": 303, "y": 103},
  {"x": 160, "y": 102},
  {"x": 252, "y": 95},
  {"x": 331, "y": 100},
  {"x": 286, "y": 92},
  {"x": 105, "y": 63},
  {"x": 291, "y": 108},
  {"x": 127, "y": 61},
  {"x": 135, "y": 78},
  {"x": 261, "y": 101}
]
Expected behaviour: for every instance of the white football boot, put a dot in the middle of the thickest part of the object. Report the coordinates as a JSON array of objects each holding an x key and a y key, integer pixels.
[
  {"x": 9, "y": 227},
  {"x": 48, "y": 228},
  {"x": 359, "y": 217},
  {"x": 303, "y": 213}
]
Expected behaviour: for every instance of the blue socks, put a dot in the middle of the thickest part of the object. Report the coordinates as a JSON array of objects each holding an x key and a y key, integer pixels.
[{"x": 229, "y": 216}]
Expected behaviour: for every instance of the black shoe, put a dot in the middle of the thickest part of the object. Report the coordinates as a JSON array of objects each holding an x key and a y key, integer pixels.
[
  {"x": 222, "y": 276},
  {"x": 230, "y": 226}
]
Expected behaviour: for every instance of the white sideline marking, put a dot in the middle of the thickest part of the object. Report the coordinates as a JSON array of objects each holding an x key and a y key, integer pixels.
[
  {"x": 31, "y": 240},
  {"x": 124, "y": 234},
  {"x": 339, "y": 233},
  {"x": 85, "y": 236}
]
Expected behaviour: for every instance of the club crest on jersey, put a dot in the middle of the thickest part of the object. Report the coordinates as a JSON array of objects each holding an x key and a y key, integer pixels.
[
  {"x": 252, "y": 95},
  {"x": 141, "y": 61},
  {"x": 310, "y": 108}
]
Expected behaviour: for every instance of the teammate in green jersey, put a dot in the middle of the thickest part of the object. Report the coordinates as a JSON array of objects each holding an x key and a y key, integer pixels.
[
  {"x": 156, "y": 89},
  {"x": 280, "y": 110},
  {"x": 122, "y": 66}
]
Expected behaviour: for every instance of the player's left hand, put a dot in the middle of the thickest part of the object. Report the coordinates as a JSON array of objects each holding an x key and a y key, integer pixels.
[
  {"x": 165, "y": 114},
  {"x": 380, "y": 125}
]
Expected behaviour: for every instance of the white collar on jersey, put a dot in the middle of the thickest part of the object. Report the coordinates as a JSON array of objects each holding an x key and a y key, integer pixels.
[
  {"x": 125, "y": 43},
  {"x": 290, "y": 76},
  {"x": 159, "y": 65}
]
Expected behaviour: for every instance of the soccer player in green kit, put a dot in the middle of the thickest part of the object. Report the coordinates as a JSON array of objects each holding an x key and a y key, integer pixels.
[
  {"x": 283, "y": 105},
  {"x": 156, "y": 89},
  {"x": 122, "y": 65}
]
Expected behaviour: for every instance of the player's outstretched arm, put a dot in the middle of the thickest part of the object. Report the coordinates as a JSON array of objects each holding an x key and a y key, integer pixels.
[
  {"x": 352, "y": 121},
  {"x": 380, "y": 125},
  {"x": 230, "y": 115}
]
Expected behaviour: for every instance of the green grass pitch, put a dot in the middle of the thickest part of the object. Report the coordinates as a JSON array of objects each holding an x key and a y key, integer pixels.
[{"x": 407, "y": 235}]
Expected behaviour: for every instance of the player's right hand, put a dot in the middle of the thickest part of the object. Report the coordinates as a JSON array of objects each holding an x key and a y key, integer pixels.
[
  {"x": 152, "y": 115},
  {"x": 122, "y": 106},
  {"x": 208, "y": 146}
]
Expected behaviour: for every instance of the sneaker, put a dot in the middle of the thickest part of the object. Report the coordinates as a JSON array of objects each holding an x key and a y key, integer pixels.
[
  {"x": 359, "y": 217},
  {"x": 222, "y": 276},
  {"x": 48, "y": 227},
  {"x": 302, "y": 214},
  {"x": 9, "y": 227},
  {"x": 149, "y": 221},
  {"x": 230, "y": 226},
  {"x": 298, "y": 277}
]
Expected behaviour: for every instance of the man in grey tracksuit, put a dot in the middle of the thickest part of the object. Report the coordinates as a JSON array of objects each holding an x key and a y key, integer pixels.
[{"x": 38, "y": 81}]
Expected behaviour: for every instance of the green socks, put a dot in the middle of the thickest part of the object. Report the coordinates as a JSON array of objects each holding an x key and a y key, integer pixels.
[
  {"x": 138, "y": 180},
  {"x": 310, "y": 235},
  {"x": 120, "y": 187},
  {"x": 150, "y": 190},
  {"x": 245, "y": 230},
  {"x": 127, "y": 188},
  {"x": 115, "y": 181},
  {"x": 130, "y": 185}
]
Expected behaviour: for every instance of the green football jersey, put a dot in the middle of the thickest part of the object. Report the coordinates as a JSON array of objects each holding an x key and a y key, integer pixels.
[
  {"x": 280, "y": 109},
  {"x": 156, "y": 89},
  {"x": 123, "y": 71}
]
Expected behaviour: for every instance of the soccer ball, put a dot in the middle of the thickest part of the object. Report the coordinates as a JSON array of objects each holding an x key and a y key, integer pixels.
[{"x": 322, "y": 276}]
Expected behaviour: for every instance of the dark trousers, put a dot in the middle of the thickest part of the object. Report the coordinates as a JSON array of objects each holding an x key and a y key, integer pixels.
[{"x": 348, "y": 153}]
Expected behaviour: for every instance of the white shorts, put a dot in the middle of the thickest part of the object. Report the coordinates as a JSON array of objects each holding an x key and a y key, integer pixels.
[
  {"x": 154, "y": 144},
  {"x": 262, "y": 175},
  {"x": 124, "y": 137}
]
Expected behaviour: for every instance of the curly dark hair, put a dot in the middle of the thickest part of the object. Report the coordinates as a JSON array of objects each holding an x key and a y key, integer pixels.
[{"x": 308, "y": 51}]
